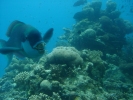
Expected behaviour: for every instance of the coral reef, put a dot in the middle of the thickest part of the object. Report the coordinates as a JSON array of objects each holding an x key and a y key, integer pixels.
[
  {"x": 94, "y": 79},
  {"x": 110, "y": 29},
  {"x": 93, "y": 64}
]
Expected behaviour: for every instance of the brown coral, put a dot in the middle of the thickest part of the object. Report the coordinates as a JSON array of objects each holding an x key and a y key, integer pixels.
[{"x": 65, "y": 55}]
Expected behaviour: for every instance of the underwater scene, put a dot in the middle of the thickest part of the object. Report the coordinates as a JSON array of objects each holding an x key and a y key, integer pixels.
[{"x": 66, "y": 50}]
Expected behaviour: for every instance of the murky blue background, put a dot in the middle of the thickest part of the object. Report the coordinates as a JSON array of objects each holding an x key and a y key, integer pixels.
[{"x": 44, "y": 14}]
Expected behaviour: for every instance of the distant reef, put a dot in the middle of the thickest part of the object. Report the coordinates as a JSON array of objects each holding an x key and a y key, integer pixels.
[
  {"x": 93, "y": 63},
  {"x": 98, "y": 29}
]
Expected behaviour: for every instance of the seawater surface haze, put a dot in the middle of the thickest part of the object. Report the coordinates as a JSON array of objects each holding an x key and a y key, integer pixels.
[{"x": 42, "y": 14}]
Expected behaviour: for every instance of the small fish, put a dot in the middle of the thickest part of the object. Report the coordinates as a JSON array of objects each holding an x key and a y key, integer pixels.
[
  {"x": 122, "y": 6},
  {"x": 79, "y": 3},
  {"x": 131, "y": 10},
  {"x": 24, "y": 41}
]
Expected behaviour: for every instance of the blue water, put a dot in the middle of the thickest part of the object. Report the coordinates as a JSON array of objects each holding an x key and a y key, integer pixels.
[{"x": 44, "y": 14}]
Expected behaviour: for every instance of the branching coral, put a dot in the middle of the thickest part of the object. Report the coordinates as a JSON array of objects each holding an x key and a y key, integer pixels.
[
  {"x": 19, "y": 65},
  {"x": 22, "y": 78},
  {"x": 42, "y": 96}
]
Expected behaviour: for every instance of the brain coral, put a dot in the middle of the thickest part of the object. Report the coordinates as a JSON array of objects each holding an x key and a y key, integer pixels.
[
  {"x": 64, "y": 55},
  {"x": 46, "y": 85}
]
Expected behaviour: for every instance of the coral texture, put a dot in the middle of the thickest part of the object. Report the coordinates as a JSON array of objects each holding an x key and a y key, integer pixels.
[
  {"x": 95, "y": 65},
  {"x": 64, "y": 55}
]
